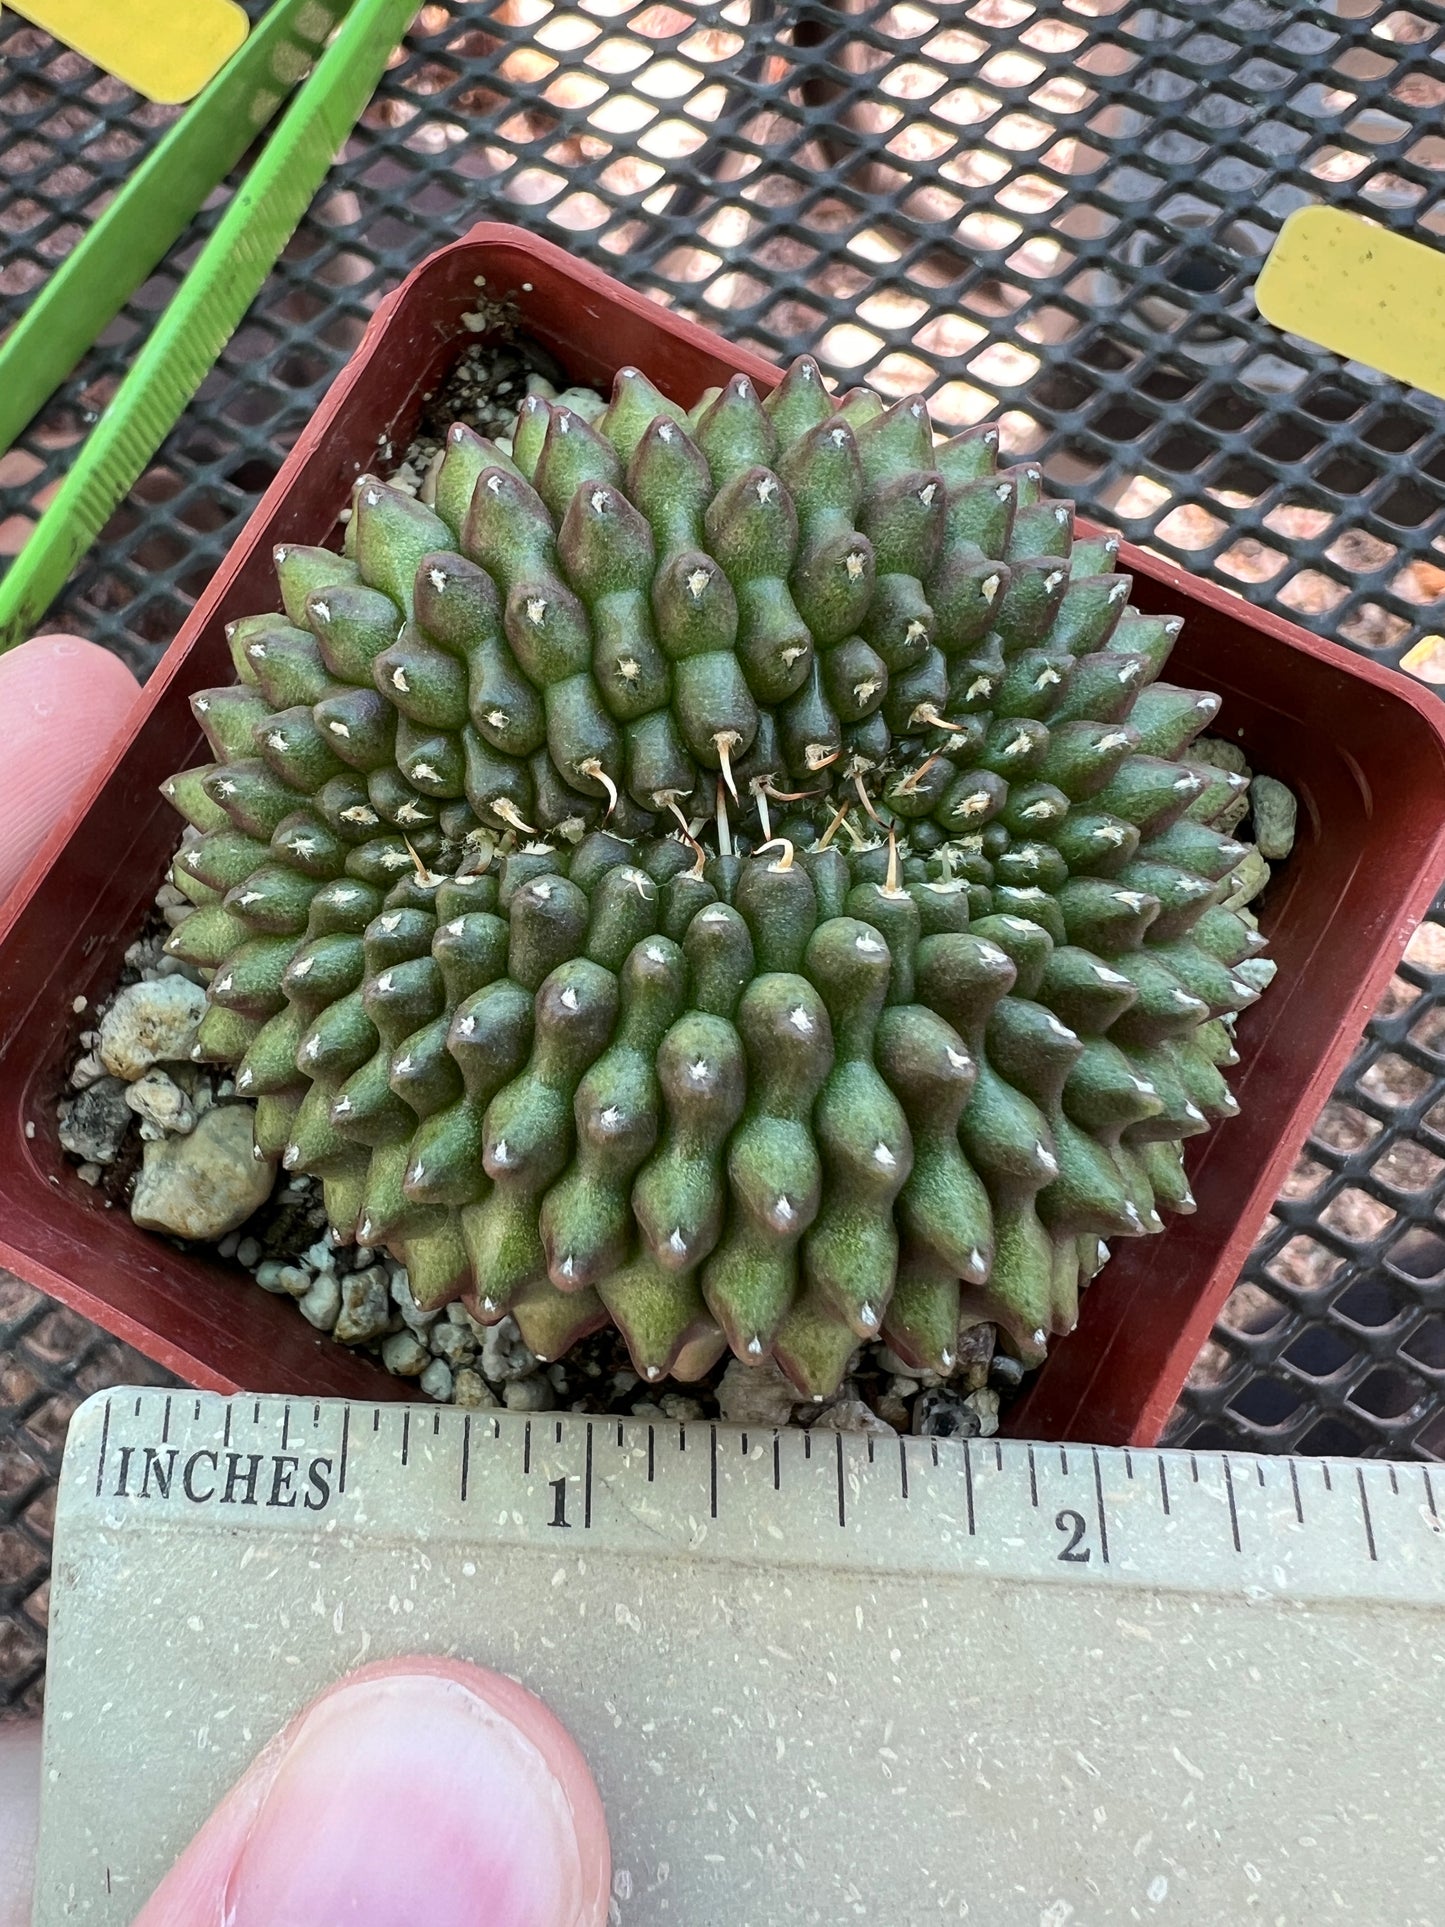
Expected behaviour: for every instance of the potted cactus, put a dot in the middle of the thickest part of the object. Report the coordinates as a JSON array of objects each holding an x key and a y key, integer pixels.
[
  {"x": 737, "y": 869},
  {"x": 734, "y": 872}
]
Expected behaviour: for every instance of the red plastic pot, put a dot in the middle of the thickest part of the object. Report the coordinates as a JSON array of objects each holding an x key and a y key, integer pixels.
[{"x": 1363, "y": 748}]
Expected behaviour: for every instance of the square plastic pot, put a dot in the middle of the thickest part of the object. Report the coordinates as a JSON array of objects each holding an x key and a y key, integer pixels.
[{"x": 1363, "y": 748}]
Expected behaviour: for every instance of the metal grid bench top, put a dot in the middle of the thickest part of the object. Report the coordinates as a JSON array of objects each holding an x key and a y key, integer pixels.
[{"x": 1048, "y": 214}]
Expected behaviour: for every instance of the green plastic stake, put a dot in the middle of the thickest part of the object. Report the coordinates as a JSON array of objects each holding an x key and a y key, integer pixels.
[
  {"x": 206, "y": 309},
  {"x": 156, "y": 206}
]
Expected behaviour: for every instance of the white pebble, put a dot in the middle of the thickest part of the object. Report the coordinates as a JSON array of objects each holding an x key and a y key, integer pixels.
[
  {"x": 436, "y": 1380},
  {"x": 159, "y": 1100},
  {"x": 985, "y": 1404},
  {"x": 455, "y": 1343},
  {"x": 756, "y": 1394},
  {"x": 404, "y": 1354},
  {"x": 532, "y": 1394},
  {"x": 504, "y": 1353},
  {"x": 469, "y": 1388},
  {"x": 365, "y": 1306},
  {"x": 850, "y": 1414},
  {"x": 675, "y": 1406},
  {"x": 322, "y": 1304},
  {"x": 150, "y": 1023}
]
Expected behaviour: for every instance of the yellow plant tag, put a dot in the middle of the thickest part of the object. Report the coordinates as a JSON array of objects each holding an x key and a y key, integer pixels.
[
  {"x": 165, "y": 49},
  {"x": 1360, "y": 290}
]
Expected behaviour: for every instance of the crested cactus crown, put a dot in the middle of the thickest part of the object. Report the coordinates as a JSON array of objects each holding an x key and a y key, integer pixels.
[{"x": 735, "y": 873}]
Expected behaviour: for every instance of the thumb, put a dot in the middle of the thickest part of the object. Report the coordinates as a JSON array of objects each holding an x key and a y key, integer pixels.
[
  {"x": 64, "y": 704},
  {"x": 416, "y": 1789}
]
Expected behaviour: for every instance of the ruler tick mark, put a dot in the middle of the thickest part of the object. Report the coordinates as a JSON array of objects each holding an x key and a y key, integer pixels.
[
  {"x": 587, "y": 1487},
  {"x": 527, "y": 1453},
  {"x": 712, "y": 1472},
  {"x": 496, "y": 1430},
  {"x": 1163, "y": 1487},
  {"x": 1103, "y": 1517},
  {"x": 968, "y": 1487},
  {"x": 998, "y": 1455},
  {"x": 346, "y": 1448},
  {"x": 903, "y": 1464},
  {"x": 137, "y": 1407},
  {"x": 777, "y": 1463},
  {"x": 1259, "y": 1470},
  {"x": 682, "y": 1438},
  {"x": 1194, "y": 1468},
  {"x": 838, "y": 1451},
  {"x": 466, "y": 1453},
  {"x": 104, "y": 1441},
  {"x": 807, "y": 1445},
  {"x": 166, "y": 1425},
  {"x": 1365, "y": 1512},
  {"x": 745, "y": 1444},
  {"x": 1429, "y": 1491},
  {"x": 406, "y": 1436},
  {"x": 255, "y": 1412},
  {"x": 619, "y": 1432},
  {"x": 196, "y": 1415},
  {"x": 870, "y": 1448},
  {"x": 226, "y": 1428},
  {"x": 651, "y": 1454},
  {"x": 1299, "y": 1508},
  {"x": 1128, "y": 1463},
  {"x": 285, "y": 1428},
  {"x": 376, "y": 1418},
  {"x": 436, "y": 1424},
  {"x": 558, "y": 1430},
  {"x": 1394, "y": 1482},
  {"x": 1233, "y": 1508},
  {"x": 1033, "y": 1481},
  {"x": 315, "y": 1415},
  {"x": 1063, "y": 1460},
  {"x": 934, "y": 1444},
  {"x": 1329, "y": 1483}
]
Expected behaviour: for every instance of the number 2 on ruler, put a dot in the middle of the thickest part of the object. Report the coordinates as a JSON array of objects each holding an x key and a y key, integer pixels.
[{"x": 1074, "y": 1524}]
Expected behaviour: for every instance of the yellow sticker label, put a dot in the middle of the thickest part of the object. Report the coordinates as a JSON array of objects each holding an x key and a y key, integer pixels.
[
  {"x": 165, "y": 49},
  {"x": 1360, "y": 290}
]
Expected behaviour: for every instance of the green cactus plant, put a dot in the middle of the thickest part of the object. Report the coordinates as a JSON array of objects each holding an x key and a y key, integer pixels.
[{"x": 737, "y": 874}]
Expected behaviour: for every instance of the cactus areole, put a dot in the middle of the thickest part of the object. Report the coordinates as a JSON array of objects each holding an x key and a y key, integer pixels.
[{"x": 737, "y": 874}]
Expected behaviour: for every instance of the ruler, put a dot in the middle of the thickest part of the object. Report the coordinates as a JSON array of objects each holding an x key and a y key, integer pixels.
[{"x": 818, "y": 1677}]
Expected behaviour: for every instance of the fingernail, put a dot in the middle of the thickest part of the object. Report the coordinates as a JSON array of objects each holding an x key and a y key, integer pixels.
[{"x": 408, "y": 1797}]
